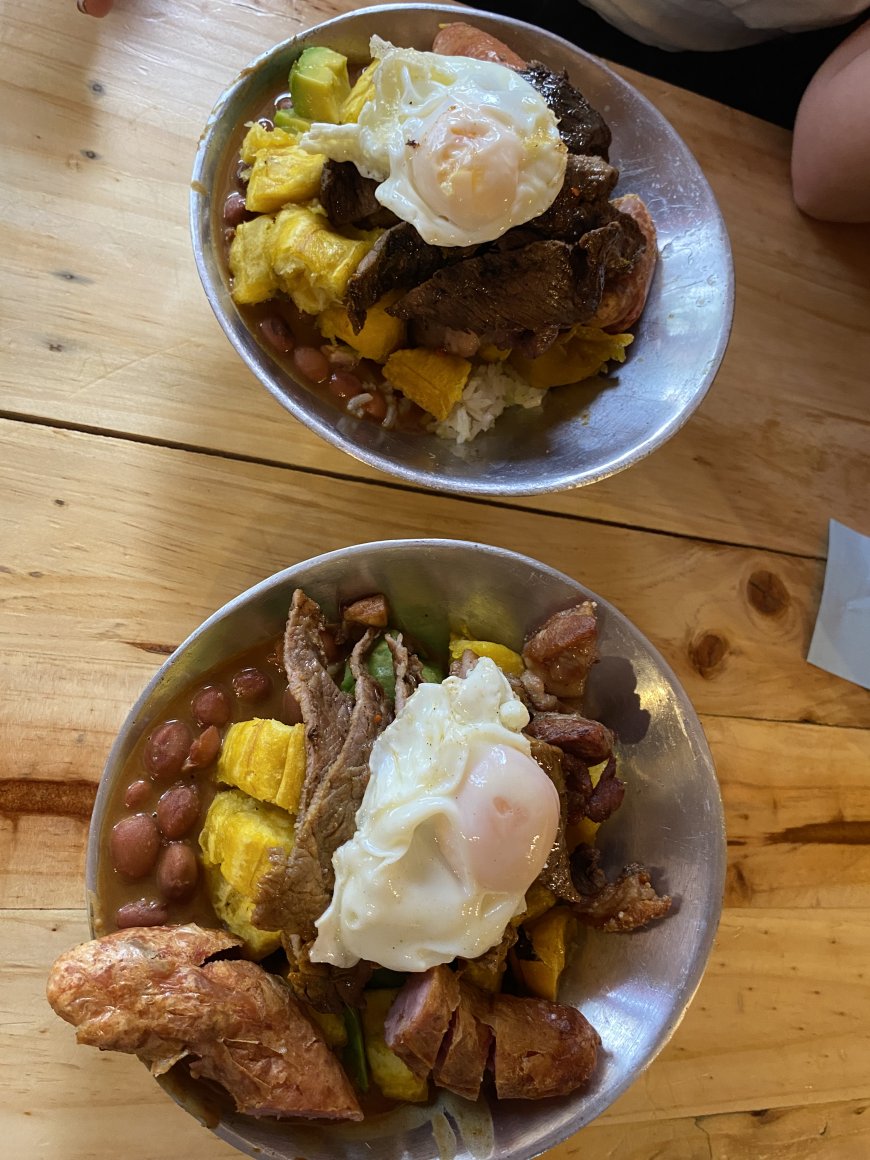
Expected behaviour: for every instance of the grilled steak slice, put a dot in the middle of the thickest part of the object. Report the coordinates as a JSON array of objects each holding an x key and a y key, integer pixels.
[
  {"x": 516, "y": 297},
  {"x": 321, "y": 985},
  {"x": 556, "y": 875},
  {"x": 464, "y": 1051},
  {"x": 349, "y": 198},
  {"x": 541, "y": 1048},
  {"x": 155, "y": 992},
  {"x": 564, "y": 649},
  {"x": 581, "y": 127},
  {"x": 408, "y": 670},
  {"x": 418, "y": 1019},
  {"x": 399, "y": 260},
  {"x": 581, "y": 204},
  {"x": 630, "y": 902},
  {"x": 325, "y": 708},
  {"x": 297, "y": 888}
]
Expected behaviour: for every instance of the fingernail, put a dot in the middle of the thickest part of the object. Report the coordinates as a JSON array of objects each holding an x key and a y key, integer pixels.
[{"x": 82, "y": 6}]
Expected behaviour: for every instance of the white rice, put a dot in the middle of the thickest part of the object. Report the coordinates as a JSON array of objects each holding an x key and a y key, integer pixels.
[{"x": 489, "y": 390}]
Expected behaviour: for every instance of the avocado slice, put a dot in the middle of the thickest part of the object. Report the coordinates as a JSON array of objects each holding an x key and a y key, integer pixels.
[{"x": 319, "y": 84}]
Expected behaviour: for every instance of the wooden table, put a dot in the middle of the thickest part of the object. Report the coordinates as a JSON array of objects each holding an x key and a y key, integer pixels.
[{"x": 146, "y": 478}]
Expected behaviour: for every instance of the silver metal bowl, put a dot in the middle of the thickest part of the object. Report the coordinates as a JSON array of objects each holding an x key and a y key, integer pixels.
[
  {"x": 582, "y": 433},
  {"x": 634, "y": 987}
]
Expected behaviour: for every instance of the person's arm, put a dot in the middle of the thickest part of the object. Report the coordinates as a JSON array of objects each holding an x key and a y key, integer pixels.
[{"x": 830, "y": 162}]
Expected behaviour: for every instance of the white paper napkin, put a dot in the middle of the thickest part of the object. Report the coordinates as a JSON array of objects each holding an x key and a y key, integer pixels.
[{"x": 841, "y": 640}]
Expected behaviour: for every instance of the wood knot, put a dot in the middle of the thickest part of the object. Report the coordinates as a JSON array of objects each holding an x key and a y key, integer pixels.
[
  {"x": 707, "y": 653},
  {"x": 767, "y": 593}
]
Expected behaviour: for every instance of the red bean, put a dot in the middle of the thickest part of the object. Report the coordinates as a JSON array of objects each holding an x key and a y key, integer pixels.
[
  {"x": 376, "y": 407},
  {"x": 251, "y": 684},
  {"x": 211, "y": 706},
  {"x": 266, "y": 123},
  {"x": 291, "y": 713},
  {"x": 138, "y": 793},
  {"x": 177, "y": 871},
  {"x": 204, "y": 748},
  {"x": 344, "y": 385},
  {"x": 178, "y": 810},
  {"x": 134, "y": 845},
  {"x": 312, "y": 363},
  {"x": 235, "y": 209},
  {"x": 166, "y": 749},
  {"x": 277, "y": 333},
  {"x": 143, "y": 912}
]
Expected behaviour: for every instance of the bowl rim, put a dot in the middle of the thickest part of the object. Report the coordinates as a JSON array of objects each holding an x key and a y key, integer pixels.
[
  {"x": 269, "y": 374},
  {"x": 285, "y": 578}
]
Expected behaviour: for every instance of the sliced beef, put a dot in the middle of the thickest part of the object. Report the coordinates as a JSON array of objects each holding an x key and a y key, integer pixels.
[
  {"x": 154, "y": 992},
  {"x": 563, "y": 650},
  {"x": 407, "y": 667},
  {"x": 418, "y": 1019},
  {"x": 399, "y": 260},
  {"x": 487, "y": 970},
  {"x": 325, "y": 708},
  {"x": 541, "y": 1048},
  {"x": 462, "y": 666},
  {"x": 465, "y": 1049},
  {"x": 321, "y": 985},
  {"x": 298, "y": 887},
  {"x": 556, "y": 875},
  {"x": 460, "y": 39},
  {"x": 519, "y": 297},
  {"x": 579, "y": 736},
  {"x": 581, "y": 204},
  {"x": 581, "y": 127},
  {"x": 349, "y": 198},
  {"x": 630, "y": 902}
]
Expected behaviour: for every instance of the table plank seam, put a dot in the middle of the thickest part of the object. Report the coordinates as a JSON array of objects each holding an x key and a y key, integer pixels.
[{"x": 390, "y": 485}]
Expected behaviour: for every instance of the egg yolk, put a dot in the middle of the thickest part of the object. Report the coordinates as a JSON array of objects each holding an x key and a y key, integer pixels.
[
  {"x": 466, "y": 165},
  {"x": 508, "y": 820}
]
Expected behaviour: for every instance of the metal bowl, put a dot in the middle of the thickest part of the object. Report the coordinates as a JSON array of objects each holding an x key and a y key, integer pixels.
[
  {"x": 634, "y": 987},
  {"x": 582, "y": 433}
]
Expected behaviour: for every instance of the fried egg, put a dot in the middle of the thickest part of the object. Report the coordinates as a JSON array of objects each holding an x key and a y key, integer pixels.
[
  {"x": 463, "y": 149},
  {"x": 456, "y": 823}
]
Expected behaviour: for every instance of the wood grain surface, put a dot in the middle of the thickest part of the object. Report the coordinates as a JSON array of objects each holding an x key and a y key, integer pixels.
[{"x": 146, "y": 478}]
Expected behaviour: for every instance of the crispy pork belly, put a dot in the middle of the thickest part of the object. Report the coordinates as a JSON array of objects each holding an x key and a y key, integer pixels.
[{"x": 562, "y": 651}]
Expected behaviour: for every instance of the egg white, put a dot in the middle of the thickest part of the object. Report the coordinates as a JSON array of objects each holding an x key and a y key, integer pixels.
[
  {"x": 405, "y": 893},
  {"x": 463, "y": 149}
]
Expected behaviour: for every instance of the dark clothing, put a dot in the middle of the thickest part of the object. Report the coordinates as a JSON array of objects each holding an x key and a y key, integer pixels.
[{"x": 766, "y": 79}]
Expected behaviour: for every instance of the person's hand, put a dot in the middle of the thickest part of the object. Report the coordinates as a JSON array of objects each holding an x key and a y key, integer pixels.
[{"x": 95, "y": 7}]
